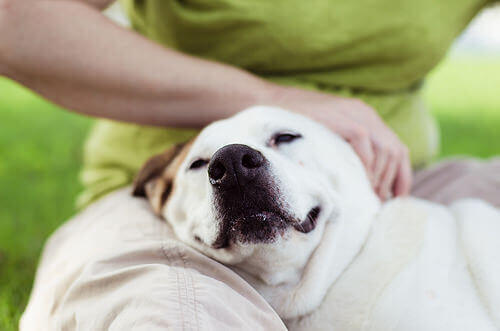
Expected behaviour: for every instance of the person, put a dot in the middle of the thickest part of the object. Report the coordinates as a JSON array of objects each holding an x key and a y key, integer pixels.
[
  {"x": 355, "y": 66},
  {"x": 221, "y": 56}
]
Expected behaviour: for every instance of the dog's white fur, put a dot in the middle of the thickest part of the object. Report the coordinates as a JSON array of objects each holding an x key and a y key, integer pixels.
[{"x": 403, "y": 265}]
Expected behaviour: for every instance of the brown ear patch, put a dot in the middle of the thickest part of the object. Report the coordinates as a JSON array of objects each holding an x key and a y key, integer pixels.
[
  {"x": 154, "y": 167},
  {"x": 157, "y": 192},
  {"x": 156, "y": 177}
]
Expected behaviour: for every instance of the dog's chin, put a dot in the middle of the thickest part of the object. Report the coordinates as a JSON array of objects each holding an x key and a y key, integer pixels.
[
  {"x": 251, "y": 228},
  {"x": 264, "y": 227}
]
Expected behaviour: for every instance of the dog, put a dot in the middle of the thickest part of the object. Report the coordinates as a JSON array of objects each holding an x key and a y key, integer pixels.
[{"x": 287, "y": 204}]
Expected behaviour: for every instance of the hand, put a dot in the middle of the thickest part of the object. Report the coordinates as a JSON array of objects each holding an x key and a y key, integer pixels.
[{"x": 384, "y": 156}]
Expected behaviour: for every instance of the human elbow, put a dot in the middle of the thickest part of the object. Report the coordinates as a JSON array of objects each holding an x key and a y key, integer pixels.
[
  {"x": 11, "y": 22},
  {"x": 99, "y": 4},
  {"x": 4, "y": 4},
  {"x": 4, "y": 8}
]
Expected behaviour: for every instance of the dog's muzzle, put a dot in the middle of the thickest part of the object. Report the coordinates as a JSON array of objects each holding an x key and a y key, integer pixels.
[{"x": 245, "y": 196}]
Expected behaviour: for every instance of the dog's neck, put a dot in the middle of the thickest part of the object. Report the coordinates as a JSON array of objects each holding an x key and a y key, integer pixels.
[{"x": 300, "y": 289}]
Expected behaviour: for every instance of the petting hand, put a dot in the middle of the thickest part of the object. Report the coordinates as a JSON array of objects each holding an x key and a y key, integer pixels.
[{"x": 385, "y": 157}]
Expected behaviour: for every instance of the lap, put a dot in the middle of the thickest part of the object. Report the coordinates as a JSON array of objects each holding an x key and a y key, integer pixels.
[
  {"x": 455, "y": 179},
  {"x": 116, "y": 266}
]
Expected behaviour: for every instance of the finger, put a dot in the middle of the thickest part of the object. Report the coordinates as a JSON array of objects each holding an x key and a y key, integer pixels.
[
  {"x": 359, "y": 140},
  {"x": 402, "y": 185},
  {"x": 380, "y": 164},
  {"x": 388, "y": 177},
  {"x": 363, "y": 147}
]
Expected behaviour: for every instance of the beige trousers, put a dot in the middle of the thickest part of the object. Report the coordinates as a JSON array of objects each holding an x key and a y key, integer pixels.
[{"x": 116, "y": 266}]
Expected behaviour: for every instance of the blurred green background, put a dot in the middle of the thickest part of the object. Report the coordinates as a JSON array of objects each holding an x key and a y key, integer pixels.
[{"x": 41, "y": 147}]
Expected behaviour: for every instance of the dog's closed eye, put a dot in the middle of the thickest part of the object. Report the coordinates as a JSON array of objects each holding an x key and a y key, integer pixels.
[
  {"x": 283, "y": 138},
  {"x": 199, "y": 163}
]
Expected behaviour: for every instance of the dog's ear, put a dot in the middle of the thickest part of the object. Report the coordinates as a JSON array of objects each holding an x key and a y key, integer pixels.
[{"x": 155, "y": 179}]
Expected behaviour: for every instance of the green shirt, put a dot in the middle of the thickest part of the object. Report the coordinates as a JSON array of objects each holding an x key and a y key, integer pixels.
[{"x": 376, "y": 50}]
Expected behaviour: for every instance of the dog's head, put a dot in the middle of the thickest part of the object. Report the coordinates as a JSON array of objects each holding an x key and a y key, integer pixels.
[{"x": 251, "y": 189}]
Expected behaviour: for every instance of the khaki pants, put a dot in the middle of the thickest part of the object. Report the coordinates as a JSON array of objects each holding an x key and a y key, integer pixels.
[{"x": 116, "y": 266}]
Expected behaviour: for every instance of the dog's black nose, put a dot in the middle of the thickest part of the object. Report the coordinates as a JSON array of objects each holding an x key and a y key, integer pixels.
[{"x": 234, "y": 165}]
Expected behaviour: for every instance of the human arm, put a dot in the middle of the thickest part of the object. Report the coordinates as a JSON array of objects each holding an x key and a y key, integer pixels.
[
  {"x": 100, "y": 69},
  {"x": 74, "y": 56}
]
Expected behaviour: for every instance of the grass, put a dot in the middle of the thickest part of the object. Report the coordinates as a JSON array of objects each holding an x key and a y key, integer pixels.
[
  {"x": 464, "y": 95},
  {"x": 40, "y": 153},
  {"x": 41, "y": 146}
]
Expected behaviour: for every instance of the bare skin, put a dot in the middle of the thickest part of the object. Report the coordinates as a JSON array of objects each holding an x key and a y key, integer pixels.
[{"x": 70, "y": 53}]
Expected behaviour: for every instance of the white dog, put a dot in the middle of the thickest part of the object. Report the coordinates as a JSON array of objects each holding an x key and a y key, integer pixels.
[{"x": 287, "y": 205}]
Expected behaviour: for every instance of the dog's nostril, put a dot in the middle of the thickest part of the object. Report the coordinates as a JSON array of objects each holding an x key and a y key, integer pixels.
[
  {"x": 234, "y": 165},
  {"x": 251, "y": 161},
  {"x": 216, "y": 171}
]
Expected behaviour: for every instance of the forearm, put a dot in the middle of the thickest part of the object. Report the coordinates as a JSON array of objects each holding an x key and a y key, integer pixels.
[{"x": 70, "y": 53}]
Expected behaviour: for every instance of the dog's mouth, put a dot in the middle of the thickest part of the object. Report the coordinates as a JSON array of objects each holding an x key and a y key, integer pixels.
[
  {"x": 309, "y": 223},
  {"x": 263, "y": 227},
  {"x": 254, "y": 227}
]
